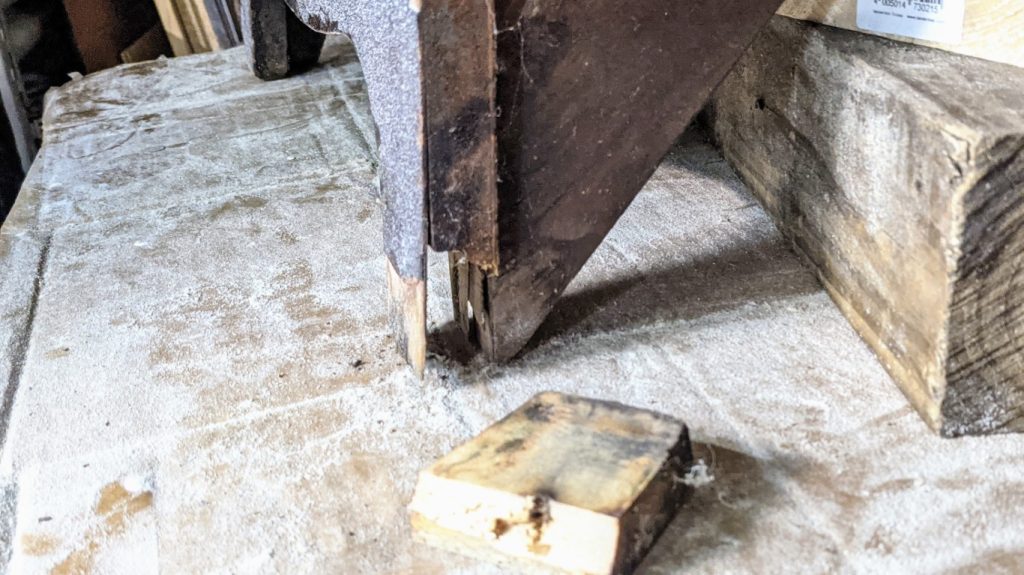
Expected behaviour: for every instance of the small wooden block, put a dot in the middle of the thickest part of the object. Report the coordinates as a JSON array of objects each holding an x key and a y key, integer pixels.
[{"x": 578, "y": 484}]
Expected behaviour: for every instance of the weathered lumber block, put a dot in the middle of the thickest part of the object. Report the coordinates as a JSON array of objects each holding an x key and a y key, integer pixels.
[
  {"x": 579, "y": 484},
  {"x": 899, "y": 172}
]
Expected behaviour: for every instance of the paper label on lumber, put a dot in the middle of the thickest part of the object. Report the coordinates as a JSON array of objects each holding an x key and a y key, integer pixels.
[{"x": 935, "y": 20}]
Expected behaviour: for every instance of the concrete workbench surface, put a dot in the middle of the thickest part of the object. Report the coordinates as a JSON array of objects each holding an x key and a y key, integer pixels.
[{"x": 198, "y": 374}]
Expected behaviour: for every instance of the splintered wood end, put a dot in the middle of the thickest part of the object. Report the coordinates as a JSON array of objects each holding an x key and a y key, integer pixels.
[{"x": 407, "y": 311}]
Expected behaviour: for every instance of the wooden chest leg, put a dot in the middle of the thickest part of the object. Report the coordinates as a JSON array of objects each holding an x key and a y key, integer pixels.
[
  {"x": 591, "y": 95},
  {"x": 429, "y": 69},
  {"x": 514, "y": 134},
  {"x": 279, "y": 43}
]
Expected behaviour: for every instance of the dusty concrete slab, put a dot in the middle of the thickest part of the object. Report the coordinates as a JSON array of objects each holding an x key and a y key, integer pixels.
[
  {"x": 210, "y": 359},
  {"x": 156, "y": 304},
  {"x": 106, "y": 523},
  {"x": 171, "y": 132}
]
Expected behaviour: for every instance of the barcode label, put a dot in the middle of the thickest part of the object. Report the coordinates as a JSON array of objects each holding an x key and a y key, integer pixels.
[{"x": 935, "y": 20}]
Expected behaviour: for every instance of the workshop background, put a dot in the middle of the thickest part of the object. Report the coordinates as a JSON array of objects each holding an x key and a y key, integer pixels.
[{"x": 198, "y": 374}]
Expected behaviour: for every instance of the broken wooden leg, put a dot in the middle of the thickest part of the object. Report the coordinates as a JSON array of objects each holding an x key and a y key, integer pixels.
[
  {"x": 579, "y": 484},
  {"x": 514, "y": 133},
  {"x": 591, "y": 96},
  {"x": 448, "y": 120}
]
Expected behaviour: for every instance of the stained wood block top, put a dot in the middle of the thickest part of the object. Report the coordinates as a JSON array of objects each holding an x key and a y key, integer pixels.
[{"x": 576, "y": 483}]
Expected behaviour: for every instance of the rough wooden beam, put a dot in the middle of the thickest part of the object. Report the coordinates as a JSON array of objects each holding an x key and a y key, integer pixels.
[
  {"x": 579, "y": 484},
  {"x": 899, "y": 172}
]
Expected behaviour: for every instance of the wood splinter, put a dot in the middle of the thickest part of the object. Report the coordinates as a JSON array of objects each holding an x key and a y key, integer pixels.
[
  {"x": 407, "y": 301},
  {"x": 578, "y": 484}
]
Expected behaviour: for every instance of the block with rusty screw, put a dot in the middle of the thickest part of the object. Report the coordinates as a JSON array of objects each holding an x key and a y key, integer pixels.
[{"x": 578, "y": 484}]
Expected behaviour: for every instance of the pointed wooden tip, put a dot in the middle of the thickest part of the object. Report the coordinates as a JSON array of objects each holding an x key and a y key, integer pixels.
[{"x": 407, "y": 311}]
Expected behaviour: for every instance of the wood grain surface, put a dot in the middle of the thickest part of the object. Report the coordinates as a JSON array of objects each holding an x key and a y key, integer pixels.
[
  {"x": 905, "y": 191},
  {"x": 993, "y": 29},
  {"x": 576, "y": 483}
]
